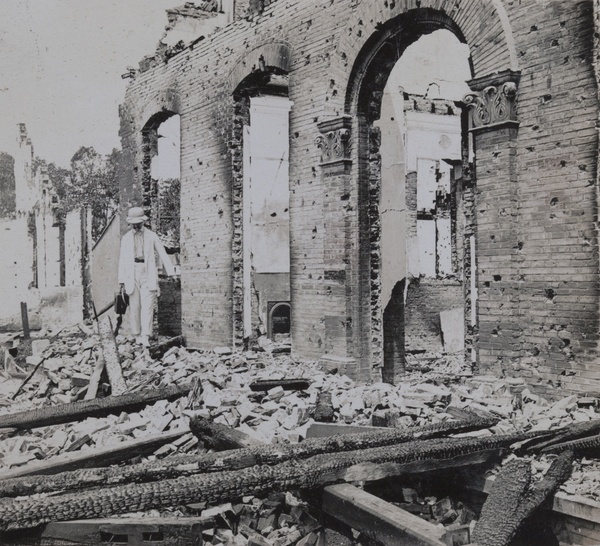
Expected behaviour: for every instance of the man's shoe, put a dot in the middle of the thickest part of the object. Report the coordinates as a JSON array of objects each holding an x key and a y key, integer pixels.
[{"x": 144, "y": 341}]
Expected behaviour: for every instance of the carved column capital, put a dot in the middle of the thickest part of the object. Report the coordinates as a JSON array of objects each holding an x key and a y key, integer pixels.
[
  {"x": 493, "y": 101},
  {"x": 335, "y": 143}
]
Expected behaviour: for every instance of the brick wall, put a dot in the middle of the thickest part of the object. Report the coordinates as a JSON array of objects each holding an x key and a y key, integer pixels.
[
  {"x": 496, "y": 220},
  {"x": 105, "y": 265},
  {"x": 169, "y": 307},
  {"x": 554, "y": 276},
  {"x": 536, "y": 195},
  {"x": 424, "y": 302}
]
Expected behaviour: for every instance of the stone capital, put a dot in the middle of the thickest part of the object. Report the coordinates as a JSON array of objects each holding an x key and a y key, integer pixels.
[
  {"x": 335, "y": 142},
  {"x": 493, "y": 102}
]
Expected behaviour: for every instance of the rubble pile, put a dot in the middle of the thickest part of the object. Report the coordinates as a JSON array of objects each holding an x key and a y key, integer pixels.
[
  {"x": 441, "y": 364},
  {"x": 280, "y": 519},
  {"x": 443, "y": 511},
  {"x": 273, "y": 416},
  {"x": 585, "y": 479},
  {"x": 67, "y": 366},
  {"x": 223, "y": 392}
]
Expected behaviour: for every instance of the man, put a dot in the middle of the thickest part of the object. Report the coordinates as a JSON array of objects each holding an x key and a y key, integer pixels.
[{"x": 138, "y": 273}]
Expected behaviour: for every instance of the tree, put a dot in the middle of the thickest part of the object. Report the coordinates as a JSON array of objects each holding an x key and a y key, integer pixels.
[
  {"x": 91, "y": 182},
  {"x": 169, "y": 211},
  {"x": 61, "y": 182},
  {"x": 94, "y": 184}
]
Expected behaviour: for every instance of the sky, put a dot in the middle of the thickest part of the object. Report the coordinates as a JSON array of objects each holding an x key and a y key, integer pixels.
[
  {"x": 436, "y": 65},
  {"x": 60, "y": 69},
  {"x": 61, "y": 63}
]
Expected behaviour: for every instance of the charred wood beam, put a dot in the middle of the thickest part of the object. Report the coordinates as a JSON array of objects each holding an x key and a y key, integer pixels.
[
  {"x": 510, "y": 486},
  {"x": 157, "y": 351},
  {"x": 25, "y": 321},
  {"x": 512, "y": 499},
  {"x": 324, "y": 411},
  {"x": 583, "y": 447},
  {"x": 286, "y": 384},
  {"x": 188, "y": 465},
  {"x": 65, "y": 413},
  {"x": 220, "y": 437},
  {"x": 565, "y": 434},
  {"x": 317, "y": 471},
  {"x": 273, "y": 454},
  {"x": 83, "y": 478}
]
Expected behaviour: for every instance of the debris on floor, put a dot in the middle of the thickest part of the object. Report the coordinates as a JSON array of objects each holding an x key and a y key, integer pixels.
[{"x": 264, "y": 397}]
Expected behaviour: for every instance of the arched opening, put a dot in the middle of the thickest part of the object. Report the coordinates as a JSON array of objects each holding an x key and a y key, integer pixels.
[
  {"x": 161, "y": 199},
  {"x": 413, "y": 147},
  {"x": 279, "y": 320},
  {"x": 161, "y": 174},
  {"x": 261, "y": 248},
  {"x": 165, "y": 171}
]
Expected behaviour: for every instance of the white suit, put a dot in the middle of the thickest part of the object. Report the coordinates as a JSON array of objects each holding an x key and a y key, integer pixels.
[{"x": 141, "y": 279}]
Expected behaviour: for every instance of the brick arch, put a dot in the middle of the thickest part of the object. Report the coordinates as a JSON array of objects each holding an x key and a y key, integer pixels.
[
  {"x": 382, "y": 51},
  {"x": 165, "y": 104},
  {"x": 483, "y": 25},
  {"x": 272, "y": 55},
  {"x": 157, "y": 118},
  {"x": 376, "y": 38},
  {"x": 133, "y": 181}
]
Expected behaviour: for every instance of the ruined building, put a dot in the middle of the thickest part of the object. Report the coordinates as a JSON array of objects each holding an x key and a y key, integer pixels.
[
  {"x": 44, "y": 263},
  {"x": 325, "y": 194}
]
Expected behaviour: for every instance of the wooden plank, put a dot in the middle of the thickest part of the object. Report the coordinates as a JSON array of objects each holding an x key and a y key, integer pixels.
[
  {"x": 111, "y": 357},
  {"x": 27, "y": 379},
  {"x": 95, "y": 379},
  {"x": 104, "y": 456},
  {"x": 137, "y": 531},
  {"x": 25, "y": 321},
  {"x": 77, "y": 444},
  {"x": 576, "y": 506},
  {"x": 325, "y": 430},
  {"x": 379, "y": 519}
]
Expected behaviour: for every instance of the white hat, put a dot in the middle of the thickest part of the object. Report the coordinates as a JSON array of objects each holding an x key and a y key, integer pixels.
[{"x": 136, "y": 215}]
